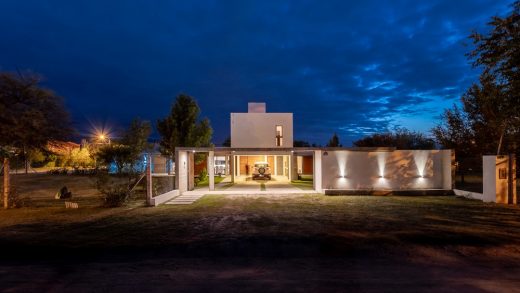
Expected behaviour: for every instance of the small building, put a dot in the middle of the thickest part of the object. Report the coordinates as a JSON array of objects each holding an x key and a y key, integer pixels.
[{"x": 262, "y": 138}]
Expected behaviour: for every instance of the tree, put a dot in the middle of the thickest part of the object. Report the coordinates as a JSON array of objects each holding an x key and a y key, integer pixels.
[
  {"x": 494, "y": 103},
  {"x": 334, "y": 141},
  {"x": 136, "y": 138},
  {"x": 30, "y": 116},
  {"x": 455, "y": 132},
  {"x": 400, "y": 138},
  {"x": 492, "y": 106},
  {"x": 182, "y": 127},
  {"x": 227, "y": 142},
  {"x": 301, "y": 143},
  {"x": 118, "y": 154}
]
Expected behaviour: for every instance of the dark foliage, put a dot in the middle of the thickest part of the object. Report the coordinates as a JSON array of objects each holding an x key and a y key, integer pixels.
[
  {"x": 401, "y": 139},
  {"x": 182, "y": 127}
]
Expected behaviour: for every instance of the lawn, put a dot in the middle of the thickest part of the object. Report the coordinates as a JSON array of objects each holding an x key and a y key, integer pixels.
[
  {"x": 205, "y": 182},
  {"x": 259, "y": 243}
]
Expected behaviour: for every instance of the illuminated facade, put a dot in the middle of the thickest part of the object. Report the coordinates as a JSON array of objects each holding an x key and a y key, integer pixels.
[{"x": 258, "y": 136}]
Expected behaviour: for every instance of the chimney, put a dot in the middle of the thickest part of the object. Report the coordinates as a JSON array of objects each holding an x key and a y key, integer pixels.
[{"x": 255, "y": 107}]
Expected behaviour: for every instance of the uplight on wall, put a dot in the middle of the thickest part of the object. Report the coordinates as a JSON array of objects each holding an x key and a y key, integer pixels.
[{"x": 381, "y": 163}]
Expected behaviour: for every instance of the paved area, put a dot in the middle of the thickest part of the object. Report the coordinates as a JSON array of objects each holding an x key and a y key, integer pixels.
[
  {"x": 187, "y": 198},
  {"x": 243, "y": 188}
]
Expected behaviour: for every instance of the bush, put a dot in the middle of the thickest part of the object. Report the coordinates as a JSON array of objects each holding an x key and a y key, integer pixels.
[
  {"x": 14, "y": 199},
  {"x": 203, "y": 175},
  {"x": 113, "y": 194}
]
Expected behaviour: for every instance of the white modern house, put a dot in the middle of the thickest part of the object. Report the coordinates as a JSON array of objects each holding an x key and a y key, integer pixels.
[{"x": 258, "y": 135}]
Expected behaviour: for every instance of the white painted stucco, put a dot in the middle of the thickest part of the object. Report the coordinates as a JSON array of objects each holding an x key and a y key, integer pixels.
[
  {"x": 181, "y": 170},
  {"x": 258, "y": 130},
  {"x": 385, "y": 170},
  {"x": 494, "y": 187}
]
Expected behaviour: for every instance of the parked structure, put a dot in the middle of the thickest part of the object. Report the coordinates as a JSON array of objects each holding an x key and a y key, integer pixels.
[{"x": 259, "y": 136}]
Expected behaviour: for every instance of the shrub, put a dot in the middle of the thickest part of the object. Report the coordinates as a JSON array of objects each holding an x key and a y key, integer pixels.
[
  {"x": 203, "y": 175},
  {"x": 113, "y": 194},
  {"x": 14, "y": 199}
]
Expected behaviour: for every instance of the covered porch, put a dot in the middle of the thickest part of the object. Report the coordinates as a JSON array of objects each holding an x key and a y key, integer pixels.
[{"x": 237, "y": 166}]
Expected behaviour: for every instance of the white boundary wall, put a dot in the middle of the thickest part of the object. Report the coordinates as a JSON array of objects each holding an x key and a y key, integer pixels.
[{"x": 385, "y": 170}]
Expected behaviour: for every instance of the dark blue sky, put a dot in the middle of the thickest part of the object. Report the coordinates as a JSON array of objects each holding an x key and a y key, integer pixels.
[{"x": 351, "y": 67}]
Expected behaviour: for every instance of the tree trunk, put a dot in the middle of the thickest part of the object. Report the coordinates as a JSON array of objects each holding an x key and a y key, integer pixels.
[
  {"x": 26, "y": 162},
  {"x": 6, "y": 183},
  {"x": 500, "y": 141}
]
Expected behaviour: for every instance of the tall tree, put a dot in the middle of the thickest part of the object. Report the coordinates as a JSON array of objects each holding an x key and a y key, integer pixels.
[
  {"x": 400, "y": 138},
  {"x": 136, "y": 138},
  {"x": 455, "y": 132},
  {"x": 492, "y": 106},
  {"x": 334, "y": 141},
  {"x": 30, "y": 116},
  {"x": 182, "y": 127},
  {"x": 496, "y": 102}
]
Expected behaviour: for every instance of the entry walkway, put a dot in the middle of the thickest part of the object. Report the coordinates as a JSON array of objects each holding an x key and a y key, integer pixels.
[{"x": 243, "y": 188}]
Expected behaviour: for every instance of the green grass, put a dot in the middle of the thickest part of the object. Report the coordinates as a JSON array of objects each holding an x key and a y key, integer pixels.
[
  {"x": 310, "y": 240},
  {"x": 303, "y": 184},
  {"x": 355, "y": 219},
  {"x": 205, "y": 183}
]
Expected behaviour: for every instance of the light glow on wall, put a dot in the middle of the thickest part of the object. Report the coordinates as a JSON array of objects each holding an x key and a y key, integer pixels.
[
  {"x": 421, "y": 158},
  {"x": 381, "y": 163},
  {"x": 342, "y": 164}
]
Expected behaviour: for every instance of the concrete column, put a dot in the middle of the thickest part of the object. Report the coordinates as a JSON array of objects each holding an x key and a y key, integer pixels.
[
  {"x": 211, "y": 170},
  {"x": 317, "y": 179},
  {"x": 275, "y": 165},
  {"x": 191, "y": 170},
  {"x": 181, "y": 171},
  {"x": 238, "y": 165},
  {"x": 228, "y": 166},
  {"x": 293, "y": 167},
  {"x": 232, "y": 167}
]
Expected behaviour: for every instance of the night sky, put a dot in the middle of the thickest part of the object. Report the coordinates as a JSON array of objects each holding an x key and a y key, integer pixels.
[{"x": 351, "y": 67}]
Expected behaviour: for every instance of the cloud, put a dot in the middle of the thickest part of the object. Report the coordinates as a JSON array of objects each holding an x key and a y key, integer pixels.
[{"x": 349, "y": 67}]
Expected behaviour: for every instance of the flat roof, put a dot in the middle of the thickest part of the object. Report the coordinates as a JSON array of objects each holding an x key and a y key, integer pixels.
[{"x": 282, "y": 149}]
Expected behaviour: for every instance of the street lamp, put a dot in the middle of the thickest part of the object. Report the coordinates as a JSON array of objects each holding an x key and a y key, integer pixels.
[{"x": 103, "y": 138}]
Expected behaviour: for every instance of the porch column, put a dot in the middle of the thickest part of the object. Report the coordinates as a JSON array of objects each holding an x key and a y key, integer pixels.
[
  {"x": 317, "y": 171},
  {"x": 293, "y": 167},
  {"x": 238, "y": 164},
  {"x": 232, "y": 167},
  {"x": 211, "y": 170},
  {"x": 181, "y": 171},
  {"x": 226, "y": 169},
  {"x": 191, "y": 170},
  {"x": 275, "y": 166}
]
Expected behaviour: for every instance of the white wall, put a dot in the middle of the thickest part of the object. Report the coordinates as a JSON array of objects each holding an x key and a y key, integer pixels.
[
  {"x": 400, "y": 170},
  {"x": 181, "y": 170},
  {"x": 258, "y": 130}
]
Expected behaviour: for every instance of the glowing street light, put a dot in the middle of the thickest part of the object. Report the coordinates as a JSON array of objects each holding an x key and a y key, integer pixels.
[{"x": 103, "y": 138}]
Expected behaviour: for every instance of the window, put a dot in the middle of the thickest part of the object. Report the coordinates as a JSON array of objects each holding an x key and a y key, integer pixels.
[{"x": 279, "y": 135}]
